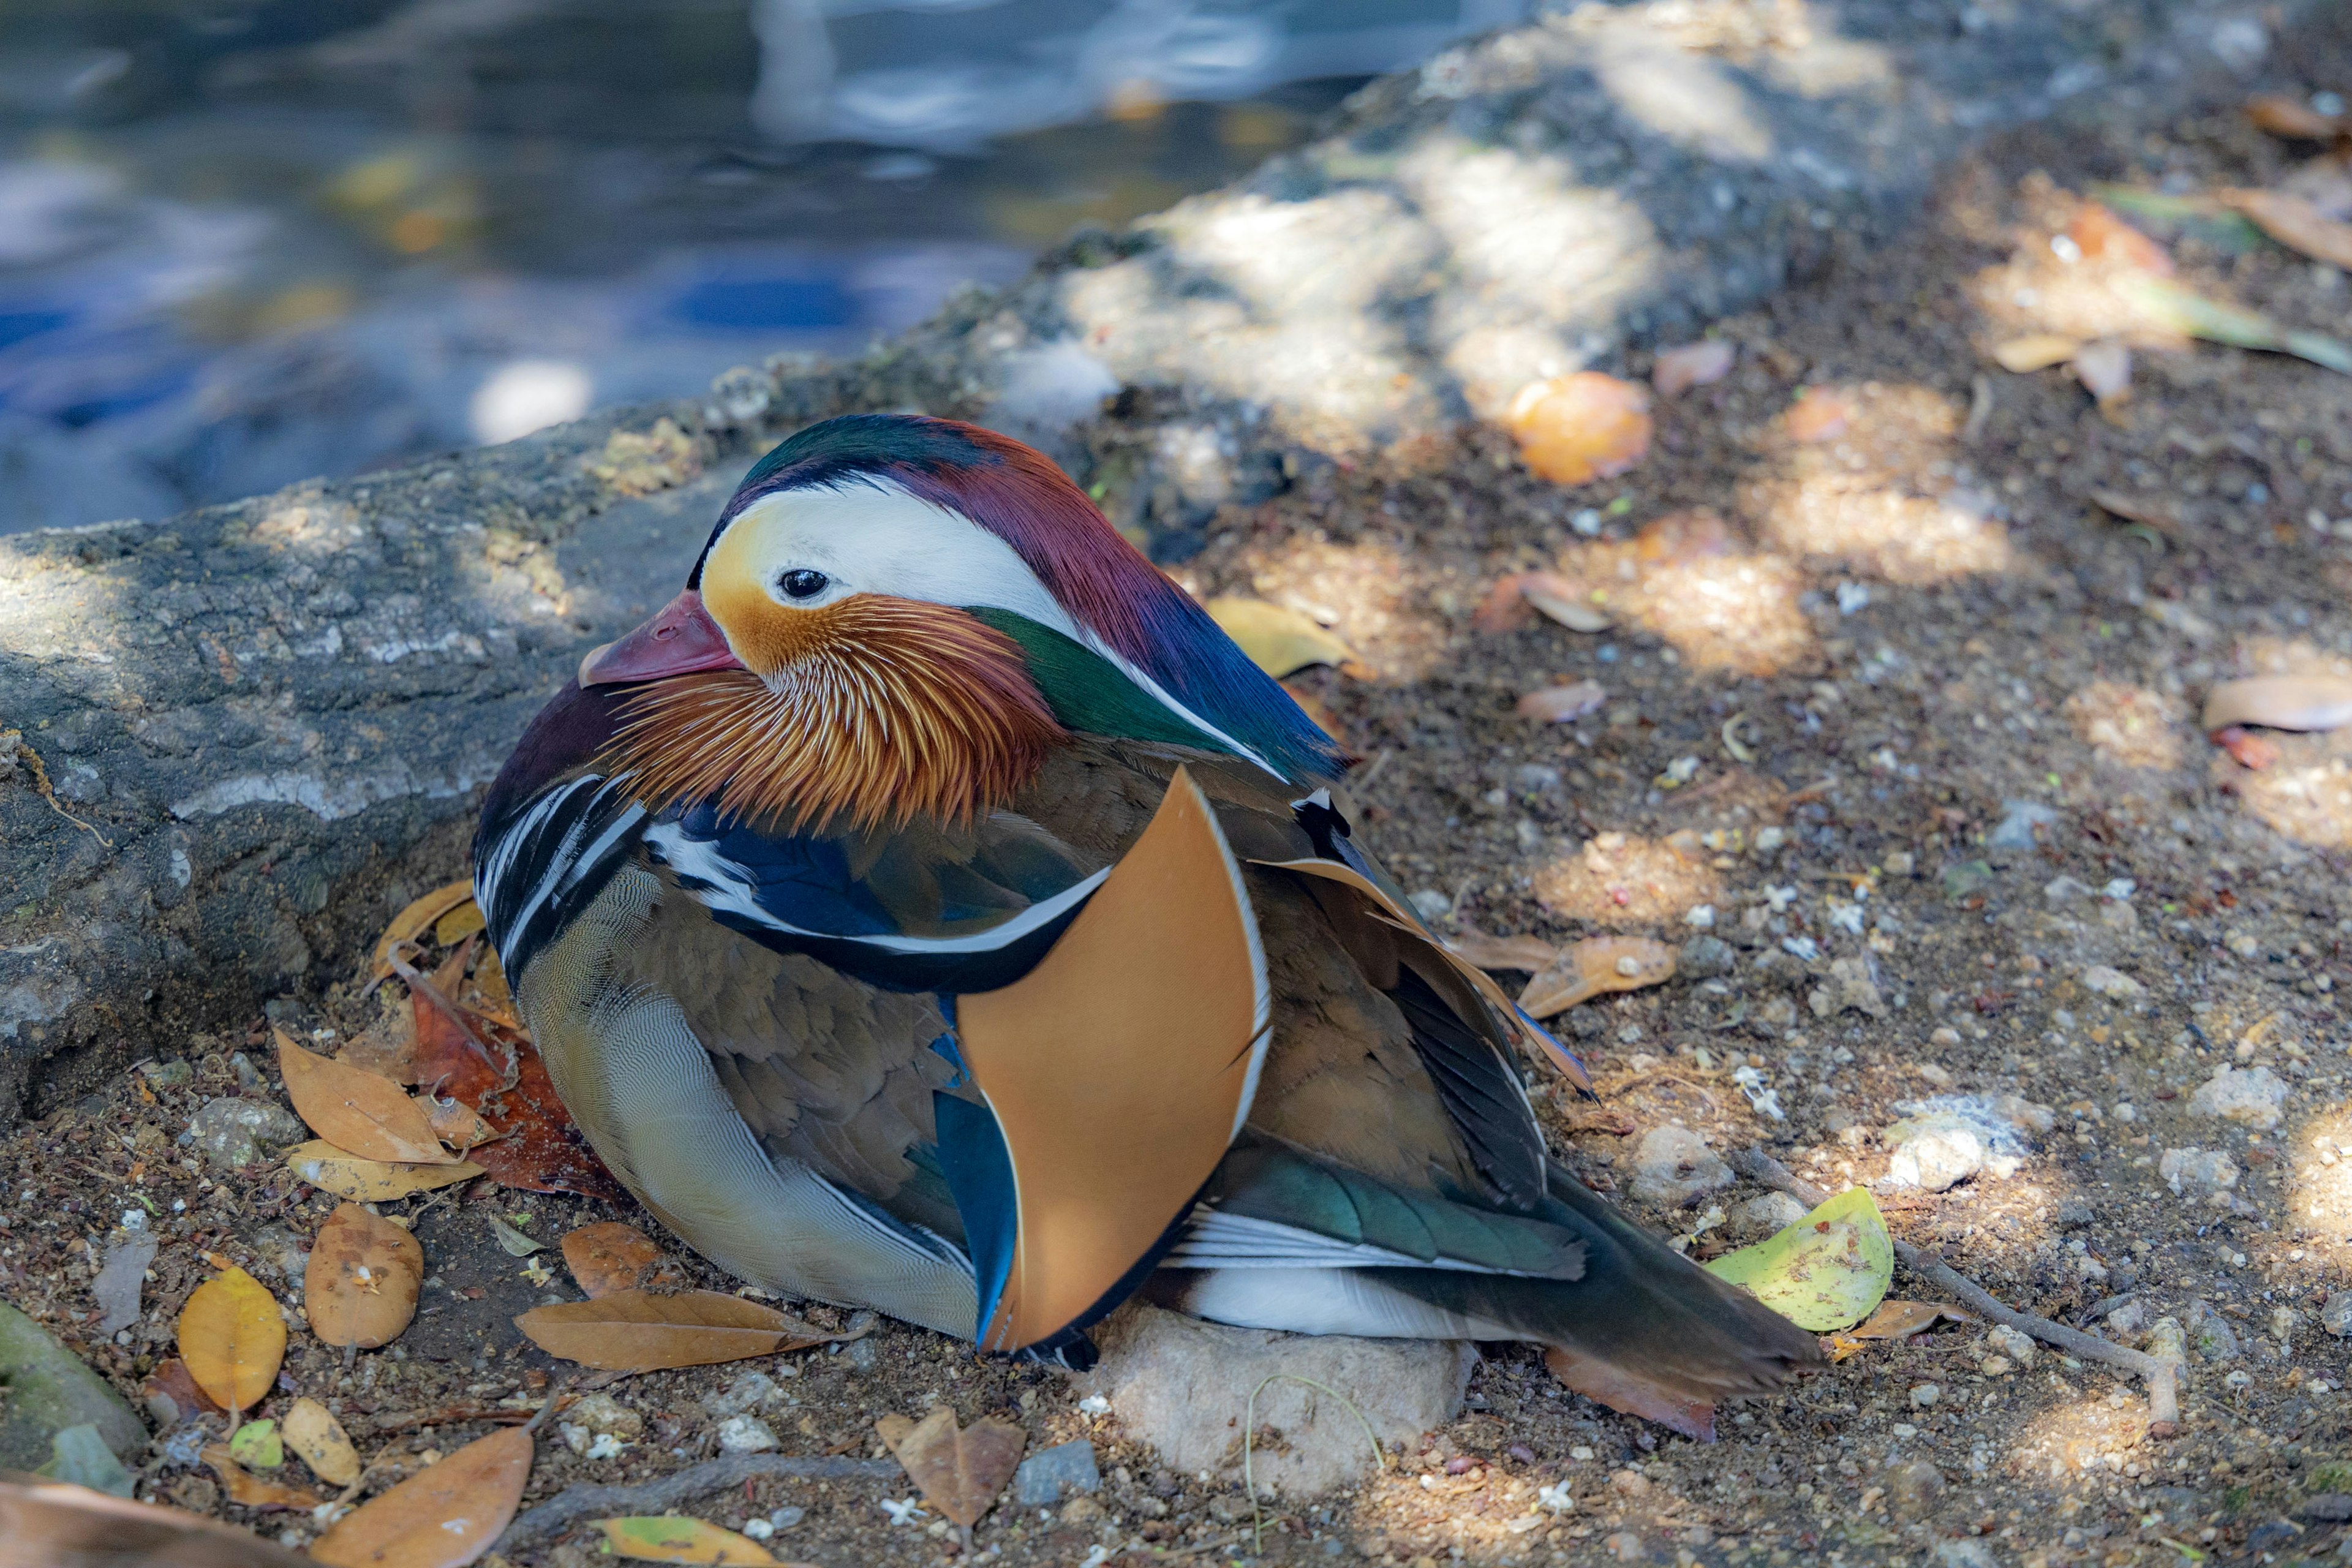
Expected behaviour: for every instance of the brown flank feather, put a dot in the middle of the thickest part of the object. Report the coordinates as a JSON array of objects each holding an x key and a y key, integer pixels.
[{"x": 888, "y": 711}]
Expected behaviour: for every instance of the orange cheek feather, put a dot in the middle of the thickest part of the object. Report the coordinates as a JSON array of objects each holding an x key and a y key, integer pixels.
[{"x": 876, "y": 709}]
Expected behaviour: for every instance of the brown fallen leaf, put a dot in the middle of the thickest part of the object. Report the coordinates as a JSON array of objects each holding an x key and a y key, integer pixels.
[
  {"x": 1569, "y": 604},
  {"x": 639, "y": 1330},
  {"x": 314, "y": 1434},
  {"x": 1504, "y": 609},
  {"x": 2295, "y": 224},
  {"x": 2035, "y": 351},
  {"x": 2290, "y": 118},
  {"x": 1594, "y": 966},
  {"x": 1531, "y": 953},
  {"x": 232, "y": 1337},
  {"x": 361, "y": 1113},
  {"x": 609, "y": 1257},
  {"x": 248, "y": 1491},
  {"x": 490, "y": 987},
  {"x": 495, "y": 1067},
  {"x": 457, "y": 1124},
  {"x": 361, "y": 1283},
  {"x": 55, "y": 1524},
  {"x": 2281, "y": 702},
  {"x": 2251, "y": 751},
  {"x": 2154, "y": 514},
  {"x": 1820, "y": 414},
  {"x": 1701, "y": 364},
  {"x": 1896, "y": 1320},
  {"x": 960, "y": 1471},
  {"x": 386, "y": 1047},
  {"x": 410, "y": 924},
  {"x": 329, "y": 1169},
  {"x": 170, "y": 1381},
  {"x": 2100, "y": 235},
  {"x": 1577, "y": 428},
  {"x": 445, "y": 1516},
  {"x": 1559, "y": 704}
]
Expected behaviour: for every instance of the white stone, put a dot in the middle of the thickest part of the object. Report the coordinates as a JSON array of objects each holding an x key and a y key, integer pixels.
[
  {"x": 1769, "y": 1213},
  {"x": 2336, "y": 1316},
  {"x": 1181, "y": 1386},
  {"x": 2015, "y": 1344},
  {"x": 2112, "y": 984},
  {"x": 2199, "y": 1175},
  {"x": 2252, "y": 1096},
  {"x": 747, "y": 1434},
  {"x": 1933, "y": 1152},
  {"x": 1673, "y": 1166},
  {"x": 748, "y": 1392}
]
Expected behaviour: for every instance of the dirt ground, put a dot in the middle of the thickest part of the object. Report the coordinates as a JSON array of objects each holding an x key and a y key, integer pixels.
[{"x": 1823, "y": 708}]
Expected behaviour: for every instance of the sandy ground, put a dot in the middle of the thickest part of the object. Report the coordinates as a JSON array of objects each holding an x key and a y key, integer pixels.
[{"x": 1822, "y": 706}]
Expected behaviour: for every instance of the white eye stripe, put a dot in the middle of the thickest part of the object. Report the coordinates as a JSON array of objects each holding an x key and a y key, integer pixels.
[{"x": 874, "y": 537}]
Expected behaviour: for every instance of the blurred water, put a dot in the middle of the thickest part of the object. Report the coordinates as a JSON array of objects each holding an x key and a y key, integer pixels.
[{"x": 243, "y": 242}]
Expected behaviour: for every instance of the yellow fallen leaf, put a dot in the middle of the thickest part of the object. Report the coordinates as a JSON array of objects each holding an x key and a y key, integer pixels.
[
  {"x": 347, "y": 1175},
  {"x": 362, "y": 1281},
  {"x": 671, "y": 1538},
  {"x": 1577, "y": 428},
  {"x": 232, "y": 1337},
  {"x": 314, "y": 1434},
  {"x": 410, "y": 922},
  {"x": 1824, "y": 1272},
  {"x": 1280, "y": 640},
  {"x": 458, "y": 924}
]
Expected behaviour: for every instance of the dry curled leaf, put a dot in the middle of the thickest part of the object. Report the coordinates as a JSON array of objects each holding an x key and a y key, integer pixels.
[
  {"x": 410, "y": 922},
  {"x": 1577, "y": 428},
  {"x": 172, "y": 1381},
  {"x": 445, "y": 1516},
  {"x": 1900, "y": 1319},
  {"x": 1504, "y": 609},
  {"x": 359, "y": 1113},
  {"x": 2251, "y": 751},
  {"x": 232, "y": 1337},
  {"x": 1596, "y": 965},
  {"x": 360, "y": 1287},
  {"x": 1280, "y": 640},
  {"x": 314, "y": 1435},
  {"x": 2281, "y": 702},
  {"x": 1701, "y": 364},
  {"x": 1531, "y": 953},
  {"x": 638, "y": 1331},
  {"x": 675, "y": 1537},
  {"x": 495, "y": 1067},
  {"x": 248, "y": 1491},
  {"x": 2295, "y": 224},
  {"x": 1559, "y": 704},
  {"x": 960, "y": 1470},
  {"x": 329, "y": 1169},
  {"x": 610, "y": 1256},
  {"x": 2035, "y": 351},
  {"x": 1569, "y": 604}
]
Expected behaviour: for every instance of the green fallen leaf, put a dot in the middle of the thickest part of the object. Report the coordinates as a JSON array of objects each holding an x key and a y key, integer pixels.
[
  {"x": 2203, "y": 216},
  {"x": 674, "y": 1539},
  {"x": 82, "y": 1458},
  {"x": 1827, "y": 1271},
  {"x": 1280, "y": 640},
  {"x": 516, "y": 1242},
  {"x": 257, "y": 1446},
  {"x": 2186, "y": 310}
]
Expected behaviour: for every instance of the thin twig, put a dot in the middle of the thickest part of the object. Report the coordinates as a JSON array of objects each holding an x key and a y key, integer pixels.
[
  {"x": 574, "y": 1504},
  {"x": 1249, "y": 1443},
  {"x": 2163, "y": 1380}
]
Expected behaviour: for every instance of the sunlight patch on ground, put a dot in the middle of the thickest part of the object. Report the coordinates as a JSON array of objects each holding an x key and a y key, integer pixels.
[
  {"x": 2128, "y": 724},
  {"x": 1684, "y": 578},
  {"x": 1624, "y": 879},
  {"x": 2098, "y": 1435},
  {"x": 2319, "y": 1177},
  {"x": 2306, "y": 794},
  {"x": 1369, "y": 593}
]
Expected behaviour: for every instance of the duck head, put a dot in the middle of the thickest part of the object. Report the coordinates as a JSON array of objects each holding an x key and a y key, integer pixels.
[{"x": 900, "y": 616}]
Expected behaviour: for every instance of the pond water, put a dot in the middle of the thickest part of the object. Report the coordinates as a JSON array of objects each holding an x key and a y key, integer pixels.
[{"x": 244, "y": 242}]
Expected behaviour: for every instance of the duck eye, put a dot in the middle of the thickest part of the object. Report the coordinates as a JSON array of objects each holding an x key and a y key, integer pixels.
[{"x": 803, "y": 584}]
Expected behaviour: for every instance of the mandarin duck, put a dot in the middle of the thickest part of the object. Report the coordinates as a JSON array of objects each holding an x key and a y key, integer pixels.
[{"x": 931, "y": 909}]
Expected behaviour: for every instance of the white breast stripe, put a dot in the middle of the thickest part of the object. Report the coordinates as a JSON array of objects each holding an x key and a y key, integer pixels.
[{"x": 724, "y": 887}]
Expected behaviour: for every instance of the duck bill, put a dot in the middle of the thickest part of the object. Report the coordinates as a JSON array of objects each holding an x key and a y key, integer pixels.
[{"x": 680, "y": 640}]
